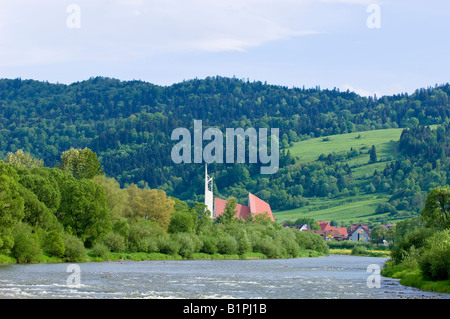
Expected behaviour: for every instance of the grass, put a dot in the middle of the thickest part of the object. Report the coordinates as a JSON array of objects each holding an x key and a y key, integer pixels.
[
  {"x": 414, "y": 278},
  {"x": 369, "y": 252},
  {"x": 355, "y": 208},
  {"x": 310, "y": 150},
  {"x": 351, "y": 208}
]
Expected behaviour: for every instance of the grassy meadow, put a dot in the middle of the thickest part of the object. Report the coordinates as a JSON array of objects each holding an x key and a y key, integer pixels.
[{"x": 352, "y": 208}]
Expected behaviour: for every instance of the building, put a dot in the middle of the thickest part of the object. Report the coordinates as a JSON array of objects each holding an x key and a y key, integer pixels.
[
  {"x": 359, "y": 232},
  {"x": 329, "y": 232},
  {"x": 255, "y": 206},
  {"x": 217, "y": 205}
]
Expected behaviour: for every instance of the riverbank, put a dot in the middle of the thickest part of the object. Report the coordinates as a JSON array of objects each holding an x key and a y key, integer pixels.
[
  {"x": 413, "y": 277},
  {"x": 142, "y": 256},
  {"x": 366, "y": 253}
]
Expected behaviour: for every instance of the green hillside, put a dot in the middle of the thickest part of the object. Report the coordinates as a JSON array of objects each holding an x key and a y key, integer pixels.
[
  {"x": 310, "y": 150},
  {"x": 352, "y": 208}
]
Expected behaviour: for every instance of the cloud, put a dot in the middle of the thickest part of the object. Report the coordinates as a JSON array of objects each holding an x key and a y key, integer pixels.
[{"x": 33, "y": 32}]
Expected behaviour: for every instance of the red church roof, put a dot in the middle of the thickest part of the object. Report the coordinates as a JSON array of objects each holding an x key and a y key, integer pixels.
[
  {"x": 258, "y": 206},
  {"x": 255, "y": 206},
  {"x": 241, "y": 210}
]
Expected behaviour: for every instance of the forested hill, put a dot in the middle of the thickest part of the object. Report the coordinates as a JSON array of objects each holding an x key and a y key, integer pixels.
[{"x": 129, "y": 123}]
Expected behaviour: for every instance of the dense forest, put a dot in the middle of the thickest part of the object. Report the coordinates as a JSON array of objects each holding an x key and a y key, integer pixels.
[{"x": 128, "y": 124}]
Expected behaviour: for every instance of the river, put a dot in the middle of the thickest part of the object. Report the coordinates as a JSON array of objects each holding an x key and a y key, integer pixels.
[{"x": 334, "y": 276}]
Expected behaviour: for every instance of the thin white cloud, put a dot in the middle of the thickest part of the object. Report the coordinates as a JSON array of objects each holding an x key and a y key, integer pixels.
[{"x": 33, "y": 32}]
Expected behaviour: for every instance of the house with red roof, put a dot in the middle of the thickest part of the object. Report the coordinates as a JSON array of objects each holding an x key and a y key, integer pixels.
[
  {"x": 332, "y": 232},
  {"x": 255, "y": 206}
]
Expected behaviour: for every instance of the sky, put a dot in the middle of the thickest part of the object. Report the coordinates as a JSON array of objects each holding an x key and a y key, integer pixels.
[{"x": 371, "y": 47}]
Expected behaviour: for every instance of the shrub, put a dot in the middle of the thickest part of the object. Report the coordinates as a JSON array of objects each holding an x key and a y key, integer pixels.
[
  {"x": 100, "y": 250},
  {"x": 115, "y": 242},
  {"x": 309, "y": 240},
  {"x": 75, "y": 250},
  {"x": 209, "y": 244},
  {"x": 359, "y": 250},
  {"x": 147, "y": 245},
  {"x": 268, "y": 247},
  {"x": 54, "y": 244},
  {"x": 227, "y": 244},
  {"x": 414, "y": 239},
  {"x": 189, "y": 244},
  {"x": 435, "y": 260},
  {"x": 26, "y": 247},
  {"x": 244, "y": 245},
  {"x": 143, "y": 229},
  {"x": 168, "y": 246}
]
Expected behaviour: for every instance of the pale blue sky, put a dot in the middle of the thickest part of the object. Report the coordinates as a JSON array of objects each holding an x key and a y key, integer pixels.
[{"x": 309, "y": 43}]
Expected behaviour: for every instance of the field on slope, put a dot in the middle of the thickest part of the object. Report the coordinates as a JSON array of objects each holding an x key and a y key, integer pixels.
[
  {"x": 352, "y": 208},
  {"x": 310, "y": 150}
]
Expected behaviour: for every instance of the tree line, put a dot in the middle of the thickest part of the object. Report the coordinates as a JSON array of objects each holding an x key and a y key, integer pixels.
[{"x": 68, "y": 210}]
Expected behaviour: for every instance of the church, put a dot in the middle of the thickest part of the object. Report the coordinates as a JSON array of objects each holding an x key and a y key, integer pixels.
[{"x": 217, "y": 205}]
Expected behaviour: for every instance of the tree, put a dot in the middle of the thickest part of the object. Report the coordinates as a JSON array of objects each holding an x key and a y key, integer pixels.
[
  {"x": 377, "y": 234},
  {"x": 81, "y": 163},
  {"x": 182, "y": 222},
  {"x": 151, "y": 204},
  {"x": 160, "y": 207},
  {"x": 84, "y": 211},
  {"x": 230, "y": 210},
  {"x": 373, "y": 154},
  {"x": 11, "y": 206},
  {"x": 22, "y": 159},
  {"x": 116, "y": 197},
  {"x": 43, "y": 185},
  {"x": 436, "y": 212}
]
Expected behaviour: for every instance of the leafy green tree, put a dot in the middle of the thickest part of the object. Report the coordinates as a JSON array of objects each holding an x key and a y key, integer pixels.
[
  {"x": 229, "y": 212},
  {"x": 26, "y": 247},
  {"x": 74, "y": 249},
  {"x": 44, "y": 185},
  {"x": 22, "y": 159},
  {"x": 436, "y": 212},
  {"x": 54, "y": 244},
  {"x": 182, "y": 222},
  {"x": 35, "y": 212},
  {"x": 116, "y": 197},
  {"x": 81, "y": 163},
  {"x": 377, "y": 234},
  {"x": 11, "y": 205},
  {"x": 435, "y": 260},
  {"x": 84, "y": 211}
]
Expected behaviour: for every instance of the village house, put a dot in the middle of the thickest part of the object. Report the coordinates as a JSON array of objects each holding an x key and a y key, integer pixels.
[
  {"x": 359, "y": 232},
  {"x": 329, "y": 232}
]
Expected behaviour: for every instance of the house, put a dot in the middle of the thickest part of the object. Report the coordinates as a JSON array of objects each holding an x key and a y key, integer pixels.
[
  {"x": 359, "y": 232},
  {"x": 301, "y": 227},
  {"x": 255, "y": 206},
  {"x": 329, "y": 232}
]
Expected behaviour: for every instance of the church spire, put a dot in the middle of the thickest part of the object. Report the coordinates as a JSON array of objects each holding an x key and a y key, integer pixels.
[{"x": 209, "y": 197}]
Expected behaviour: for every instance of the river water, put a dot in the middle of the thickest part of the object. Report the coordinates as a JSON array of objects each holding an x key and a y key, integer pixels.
[{"x": 334, "y": 276}]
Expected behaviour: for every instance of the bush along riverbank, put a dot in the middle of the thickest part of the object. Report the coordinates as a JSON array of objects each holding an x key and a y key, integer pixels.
[
  {"x": 354, "y": 248},
  {"x": 72, "y": 215},
  {"x": 420, "y": 257}
]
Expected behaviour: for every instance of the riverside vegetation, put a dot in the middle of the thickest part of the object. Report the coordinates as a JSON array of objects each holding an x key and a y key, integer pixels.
[
  {"x": 73, "y": 213},
  {"x": 421, "y": 254}
]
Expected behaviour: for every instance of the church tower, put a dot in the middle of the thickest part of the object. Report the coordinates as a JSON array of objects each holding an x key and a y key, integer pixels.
[{"x": 209, "y": 197}]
